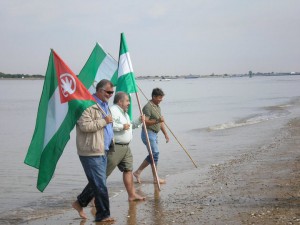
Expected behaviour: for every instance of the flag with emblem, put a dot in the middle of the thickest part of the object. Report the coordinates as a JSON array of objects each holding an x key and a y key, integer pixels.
[
  {"x": 126, "y": 80},
  {"x": 63, "y": 100},
  {"x": 100, "y": 65}
]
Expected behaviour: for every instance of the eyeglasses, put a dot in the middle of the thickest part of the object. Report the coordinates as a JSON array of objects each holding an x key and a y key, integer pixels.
[{"x": 108, "y": 92}]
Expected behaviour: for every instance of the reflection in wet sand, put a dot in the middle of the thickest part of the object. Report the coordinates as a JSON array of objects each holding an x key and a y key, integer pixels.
[
  {"x": 82, "y": 222},
  {"x": 158, "y": 213},
  {"x": 132, "y": 214},
  {"x": 132, "y": 209},
  {"x": 149, "y": 211}
]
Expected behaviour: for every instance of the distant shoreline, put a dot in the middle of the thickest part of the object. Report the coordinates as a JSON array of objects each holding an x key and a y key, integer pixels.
[
  {"x": 28, "y": 78},
  {"x": 160, "y": 78}
]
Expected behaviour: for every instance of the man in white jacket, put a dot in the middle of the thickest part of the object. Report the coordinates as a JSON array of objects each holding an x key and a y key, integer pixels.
[{"x": 121, "y": 156}]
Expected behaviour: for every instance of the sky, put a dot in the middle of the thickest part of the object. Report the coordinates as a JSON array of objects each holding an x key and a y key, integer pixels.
[{"x": 170, "y": 37}]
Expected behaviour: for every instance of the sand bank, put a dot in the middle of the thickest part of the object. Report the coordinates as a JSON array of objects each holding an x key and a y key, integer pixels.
[{"x": 261, "y": 186}]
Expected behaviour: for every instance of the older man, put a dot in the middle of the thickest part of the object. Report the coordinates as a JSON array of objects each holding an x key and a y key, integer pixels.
[
  {"x": 121, "y": 156},
  {"x": 94, "y": 137}
]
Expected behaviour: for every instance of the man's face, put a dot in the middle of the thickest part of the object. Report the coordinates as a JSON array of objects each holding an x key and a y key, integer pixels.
[
  {"x": 124, "y": 104},
  {"x": 157, "y": 99},
  {"x": 105, "y": 93}
]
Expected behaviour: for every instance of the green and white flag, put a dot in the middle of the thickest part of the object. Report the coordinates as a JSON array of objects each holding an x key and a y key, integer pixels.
[
  {"x": 126, "y": 79},
  {"x": 62, "y": 102},
  {"x": 100, "y": 65}
]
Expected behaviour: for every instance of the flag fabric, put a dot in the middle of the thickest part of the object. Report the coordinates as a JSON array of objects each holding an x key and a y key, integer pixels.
[
  {"x": 100, "y": 65},
  {"x": 62, "y": 102},
  {"x": 126, "y": 80}
]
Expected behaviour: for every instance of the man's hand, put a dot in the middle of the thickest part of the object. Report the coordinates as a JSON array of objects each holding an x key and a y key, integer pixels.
[
  {"x": 108, "y": 119},
  {"x": 143, "y": 118},
  {"x": 167, "y": 138},
  {"x": 126, "y": 126}
]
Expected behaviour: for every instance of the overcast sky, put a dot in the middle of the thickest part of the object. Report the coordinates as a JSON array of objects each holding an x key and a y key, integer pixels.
[{"x": 169, "y": 37}]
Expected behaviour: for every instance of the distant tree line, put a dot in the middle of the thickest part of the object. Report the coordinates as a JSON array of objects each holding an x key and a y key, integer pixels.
[{"x": 21, "y": 76}]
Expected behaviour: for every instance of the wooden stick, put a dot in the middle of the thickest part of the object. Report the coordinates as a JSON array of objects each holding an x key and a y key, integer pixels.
[
  {"x": 102, "y": 111},
  {"x": 171, "y": 132},
  {"x": 154, "y": 171}
]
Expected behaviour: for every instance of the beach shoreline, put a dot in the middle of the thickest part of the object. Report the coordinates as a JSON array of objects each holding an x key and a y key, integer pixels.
[{"x": 260, "y": 186}]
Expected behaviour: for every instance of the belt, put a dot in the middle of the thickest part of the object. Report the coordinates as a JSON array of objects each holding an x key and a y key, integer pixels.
[
  {"x": 153, "y": 131},
  {"x": 121, "y": 144}
]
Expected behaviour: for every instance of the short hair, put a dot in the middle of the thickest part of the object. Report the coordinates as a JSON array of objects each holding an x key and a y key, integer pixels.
[
  {"x": 157, "y": 92},
  {"x": 103, "y": 83},
  {"x": 120, "y": 95}
]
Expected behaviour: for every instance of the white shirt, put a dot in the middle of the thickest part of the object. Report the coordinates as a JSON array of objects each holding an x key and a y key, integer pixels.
[{"x": 120, "y": 118}]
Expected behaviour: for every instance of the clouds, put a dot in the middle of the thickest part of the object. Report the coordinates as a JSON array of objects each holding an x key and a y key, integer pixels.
[{"x": 164, "y": 37}]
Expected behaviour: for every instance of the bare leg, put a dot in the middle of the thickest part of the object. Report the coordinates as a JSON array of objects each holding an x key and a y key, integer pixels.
[
  {"x": 138, "y": 172},
  {"x": 79, "y": 209},
  {"x": 128, "y": 182}
]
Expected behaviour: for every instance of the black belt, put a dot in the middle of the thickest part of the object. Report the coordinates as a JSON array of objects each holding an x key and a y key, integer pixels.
[
  {"x": 153, "y": 131},
  {"x": 122, "y": 144}
]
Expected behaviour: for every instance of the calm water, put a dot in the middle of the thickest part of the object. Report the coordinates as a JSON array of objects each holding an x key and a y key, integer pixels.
[{"x": 214, "y": 118}]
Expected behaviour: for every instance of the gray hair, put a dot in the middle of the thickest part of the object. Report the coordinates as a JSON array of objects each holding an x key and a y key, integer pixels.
[
  {"x": 102, "y": 83},
  {"x": 120, "y": 95}
]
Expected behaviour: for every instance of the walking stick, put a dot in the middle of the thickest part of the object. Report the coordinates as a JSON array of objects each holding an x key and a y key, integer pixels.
[
  {"x": 154, "y": 171},
  {"x": 171, "y": 132}
]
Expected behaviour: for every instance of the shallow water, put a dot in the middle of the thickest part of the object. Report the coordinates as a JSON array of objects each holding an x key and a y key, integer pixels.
[{"x": 212, "y": 118}]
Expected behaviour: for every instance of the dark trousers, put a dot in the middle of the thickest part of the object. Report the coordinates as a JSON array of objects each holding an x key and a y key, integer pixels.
[{"x": 95, "y": 171}]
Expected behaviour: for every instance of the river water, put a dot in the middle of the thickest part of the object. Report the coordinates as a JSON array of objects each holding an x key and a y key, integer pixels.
[{"x": 212, "y": 118}]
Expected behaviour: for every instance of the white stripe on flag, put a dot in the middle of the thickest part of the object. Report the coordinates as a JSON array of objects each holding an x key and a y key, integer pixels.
[
  {"x": 125, "y": 65},
  {"x": 106, "y": 70},
  {"x": 55, "y": 116}
]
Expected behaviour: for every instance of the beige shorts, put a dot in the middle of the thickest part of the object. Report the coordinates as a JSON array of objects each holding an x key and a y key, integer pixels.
[{"x": 121, "y": 157}]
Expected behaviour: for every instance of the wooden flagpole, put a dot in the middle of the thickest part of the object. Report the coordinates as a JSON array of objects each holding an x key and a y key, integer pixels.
[
  {"x": 154, "y": 171},
  {"x": 172, "y": 132}
]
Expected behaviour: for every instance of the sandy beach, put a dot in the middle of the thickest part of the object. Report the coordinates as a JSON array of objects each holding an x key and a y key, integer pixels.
[{"x": 257, "y": 187}]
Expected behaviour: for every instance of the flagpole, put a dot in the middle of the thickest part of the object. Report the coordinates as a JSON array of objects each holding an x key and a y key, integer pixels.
[
  {"x": 172, "y": 132},
  {"x": 154, "y": 171}
]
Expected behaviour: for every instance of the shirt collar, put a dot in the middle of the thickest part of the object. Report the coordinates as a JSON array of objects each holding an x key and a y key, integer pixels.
[{"x": 99, "y": 100}]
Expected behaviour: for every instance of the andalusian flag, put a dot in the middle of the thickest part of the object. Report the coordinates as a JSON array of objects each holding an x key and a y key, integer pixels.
[
  {"x": 62, "y": 102},
  {"x": 126, "y": 80},
  {"x": 100, "y": 65}
]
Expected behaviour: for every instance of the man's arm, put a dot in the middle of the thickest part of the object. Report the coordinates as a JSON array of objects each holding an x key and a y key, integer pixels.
[
  {"x": 163, "y": 129},
  {"x": 138, "y": 122}
]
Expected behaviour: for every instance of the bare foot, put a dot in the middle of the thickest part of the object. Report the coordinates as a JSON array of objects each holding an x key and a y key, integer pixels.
[
  {"x": 108, "y": 219},
  {"x": 79, "y": 209},
  {"x": 136, "y": 197},
  {"x": 161, "y": 181},
  {"x": 137, "y": 176}
]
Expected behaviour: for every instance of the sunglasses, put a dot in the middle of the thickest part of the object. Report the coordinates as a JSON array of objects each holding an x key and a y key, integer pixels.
[{"x": 108, "y": 92}]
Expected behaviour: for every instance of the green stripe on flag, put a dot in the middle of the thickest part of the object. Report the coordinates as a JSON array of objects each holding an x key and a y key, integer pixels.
[
  {"x": 127, "y": 83},
  {"x": 55, "y": 118},
  {"x": 123, "y": 46},
  {"x": 54, "y": 149},
  {"x": 37, "y": 142},
  {"x": 100, "y": 65},
  {"x": 126, "y": 79}
]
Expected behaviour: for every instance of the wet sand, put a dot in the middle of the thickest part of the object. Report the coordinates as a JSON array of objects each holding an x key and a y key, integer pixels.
[{"x": 261, "y": 186}]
